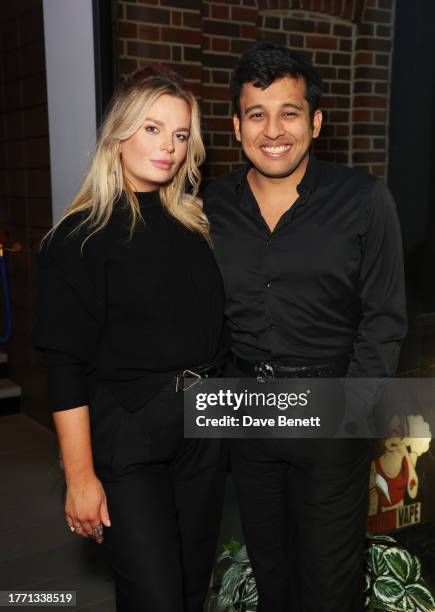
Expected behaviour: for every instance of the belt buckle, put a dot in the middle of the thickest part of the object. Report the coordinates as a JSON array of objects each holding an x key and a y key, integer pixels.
[
  {"x": 179, "y": 381},
  {"x": 264, "y": 371}
]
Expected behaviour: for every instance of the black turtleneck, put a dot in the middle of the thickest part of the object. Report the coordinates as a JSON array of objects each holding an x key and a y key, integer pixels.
[{"x": 127, "y": 313}]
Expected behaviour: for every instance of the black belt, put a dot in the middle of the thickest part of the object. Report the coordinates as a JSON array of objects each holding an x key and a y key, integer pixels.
[
  {"x": 189, "y": 377},
  {"x": 267, "y": 370}
]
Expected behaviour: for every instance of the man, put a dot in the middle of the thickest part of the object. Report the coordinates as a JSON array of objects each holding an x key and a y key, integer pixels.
[{"x": 310, "y": 253}]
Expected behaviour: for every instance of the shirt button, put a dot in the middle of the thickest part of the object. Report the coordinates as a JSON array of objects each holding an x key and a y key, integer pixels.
[
  {"x": 271, "y": 326},
  {"x": 268, "y": 283},
  {"x": 268, "y": 241}
]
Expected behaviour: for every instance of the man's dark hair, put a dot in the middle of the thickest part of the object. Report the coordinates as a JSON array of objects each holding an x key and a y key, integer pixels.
[{"x": 266, "y": 62}]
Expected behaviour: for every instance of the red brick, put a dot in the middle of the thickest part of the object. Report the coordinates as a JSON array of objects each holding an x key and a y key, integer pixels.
[
  {"x": 380, "y": 116},
  {"x": 323, "y": 27},
  {"x": 362, "y": 143},
  {"x": 339, "y": 116},
  {"x": 148, "y": 32},
  {"x": 148, "y": 50},
  {"x": 192, "y": 20},
  {"x": 370, "y": 157},
  {"x": 362, "y": 58},
  {"x": 377, "y": 16},
  {"x": 339, "y": 144},
  {"x": 248, "y": 31},
  {"x": 379, "y": 171},
  {"x": 219, "y": 124},
  {"x": 191, "y": 37},
  {"x": 321, "y": 42},
  {"x": 127, "y": 66},
  {"x": 176, "y": 18},
  {"x": 362, "y": 115},
  {"x": 148, "y": 15},
  {"x": 369, "y": 129},
  {"x": 215, "y": 93},
  {"x": 220, "y": 28},
  {"x": 342, "y": 30},
  {"x": 342, "y": 130},
  {"x": 220, "y": 44},
  {"x": 219, "y": 11},
  {"x": 373, "y": 44},
  {"x": 370, "y": 101},
  {"x": 127, "y": 29},
  {"x": 222, "y": 155},
  {"x": 244, "y": 14},
  {"x": 299, "y": 25}
]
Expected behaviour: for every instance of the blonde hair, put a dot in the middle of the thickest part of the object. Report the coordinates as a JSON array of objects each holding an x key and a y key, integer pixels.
[{"x": 105, "y": 181}]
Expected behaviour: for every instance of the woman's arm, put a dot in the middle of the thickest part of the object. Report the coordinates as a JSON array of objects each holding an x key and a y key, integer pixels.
[{"x": 85, "y": 503}]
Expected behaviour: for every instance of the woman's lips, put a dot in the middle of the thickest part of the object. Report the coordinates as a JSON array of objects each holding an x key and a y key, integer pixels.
[
  {"x": 162, "y": 164},
  {"x": 275, "y": 151}
]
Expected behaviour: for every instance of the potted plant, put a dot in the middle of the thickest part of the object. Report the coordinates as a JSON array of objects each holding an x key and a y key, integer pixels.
[{"x": 393, "y": 581}]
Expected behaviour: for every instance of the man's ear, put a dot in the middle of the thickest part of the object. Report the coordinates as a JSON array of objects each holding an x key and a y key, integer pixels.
[
  {"x": 236, "y": 123},
  {"x": 317, "y": 122}
]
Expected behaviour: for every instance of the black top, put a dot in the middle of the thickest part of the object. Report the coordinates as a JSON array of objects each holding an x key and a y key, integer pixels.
[
  {"x": 130, "y": 313},
  {"x": 326, "y": 283}
]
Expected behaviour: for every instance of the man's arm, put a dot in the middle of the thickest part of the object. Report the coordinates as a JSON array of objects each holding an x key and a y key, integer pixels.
[{"x": 383, "y": 323}]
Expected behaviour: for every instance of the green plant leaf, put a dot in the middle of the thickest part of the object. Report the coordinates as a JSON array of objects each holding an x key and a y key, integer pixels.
[
  {"x": 375, "y": 560},
  {"x": 232, "y": 547},
  {"x": 367, "y": 583},
  {"x": 415, "y": 573},
  {"x": 421, "y": 596},
  {"x": 388, "y": 590},
  {"x": 399, "y": 563}
]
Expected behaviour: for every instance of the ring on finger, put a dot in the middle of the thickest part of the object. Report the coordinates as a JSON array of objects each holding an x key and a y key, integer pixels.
[{"x": 97, "y": 531}]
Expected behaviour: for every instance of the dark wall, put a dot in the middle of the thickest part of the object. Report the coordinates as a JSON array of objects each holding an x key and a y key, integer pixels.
[
  {"x": 412, "y": 134},
  {"x": 25, "y": 191}
]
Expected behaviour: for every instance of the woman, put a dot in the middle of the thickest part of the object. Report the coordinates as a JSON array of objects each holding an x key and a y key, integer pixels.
[{"x": 130, "y": 298}]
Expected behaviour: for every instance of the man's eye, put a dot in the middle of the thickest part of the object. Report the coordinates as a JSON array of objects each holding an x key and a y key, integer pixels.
[
  {"x": 256, "y": 116},
  {"x": 151, "y": 129},
  {"x": 289, "y": 114}
]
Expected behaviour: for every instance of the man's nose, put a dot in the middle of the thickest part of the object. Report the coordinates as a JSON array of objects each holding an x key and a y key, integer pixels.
[{"x": 273, "y": 128}]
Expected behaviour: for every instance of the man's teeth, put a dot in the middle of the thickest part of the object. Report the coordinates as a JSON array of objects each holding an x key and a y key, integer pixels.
[{"x": 280, "y": 149}]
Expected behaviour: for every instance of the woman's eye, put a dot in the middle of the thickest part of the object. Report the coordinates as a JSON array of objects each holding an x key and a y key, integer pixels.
[
  {"x": 151, "y": 129},
  {"x": 181, "y": 137}
]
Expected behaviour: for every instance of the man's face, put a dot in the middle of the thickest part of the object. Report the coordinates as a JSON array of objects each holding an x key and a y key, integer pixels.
[{"x": 275, "y": 128}]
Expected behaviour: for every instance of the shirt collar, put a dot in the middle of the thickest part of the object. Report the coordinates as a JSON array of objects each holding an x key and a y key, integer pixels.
[
  {"x": 308, "y": 182},
  {"x": 305, "y": 187}
]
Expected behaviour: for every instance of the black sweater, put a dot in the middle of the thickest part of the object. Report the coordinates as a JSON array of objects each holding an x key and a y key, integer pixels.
[{"x": 127, "y": 313}]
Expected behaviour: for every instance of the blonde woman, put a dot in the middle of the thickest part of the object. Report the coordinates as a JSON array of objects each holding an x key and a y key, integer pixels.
[{"x": 130, "y": 298}]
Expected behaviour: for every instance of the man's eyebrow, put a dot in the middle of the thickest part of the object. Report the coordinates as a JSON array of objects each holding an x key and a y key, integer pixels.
[
  {"x": 180, "y": 129},
  {"x": 248, "y": 109}
]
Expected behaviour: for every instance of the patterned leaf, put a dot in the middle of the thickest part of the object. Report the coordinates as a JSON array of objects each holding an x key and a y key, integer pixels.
[
  {"x": 399, "y": 563},
  {"x": 388, "y": 590},
  {"x": 415, "y": 574},
  {"x": 375, "y": 560},
  {"x": 421, "y": 596}
]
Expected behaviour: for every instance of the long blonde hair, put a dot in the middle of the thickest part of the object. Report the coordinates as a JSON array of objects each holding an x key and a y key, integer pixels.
[{"x": 105, "y": 181}]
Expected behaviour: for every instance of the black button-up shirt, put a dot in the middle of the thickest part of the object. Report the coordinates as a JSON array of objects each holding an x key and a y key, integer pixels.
[{"x": 327, "y": 282}]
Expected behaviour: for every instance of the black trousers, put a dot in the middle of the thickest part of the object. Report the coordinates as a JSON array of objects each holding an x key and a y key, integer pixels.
[
  {"x": 303, "y": 505},
  {"x": 164, "y": 497}
]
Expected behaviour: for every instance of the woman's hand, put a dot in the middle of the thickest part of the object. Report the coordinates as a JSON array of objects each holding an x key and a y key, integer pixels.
[{"x": 86, "y": 506}]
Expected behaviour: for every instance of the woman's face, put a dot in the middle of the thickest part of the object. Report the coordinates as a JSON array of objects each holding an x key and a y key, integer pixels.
[{"x": 153, "y": 155}]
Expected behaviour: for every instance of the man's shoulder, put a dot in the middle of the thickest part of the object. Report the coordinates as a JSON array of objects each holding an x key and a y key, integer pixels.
[{"x": 340, "y": 173}]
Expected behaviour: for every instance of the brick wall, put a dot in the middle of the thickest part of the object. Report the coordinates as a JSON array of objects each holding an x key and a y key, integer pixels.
[
  {"x": 25, "y": 205},
  {"x": 349, "y": 40}
]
